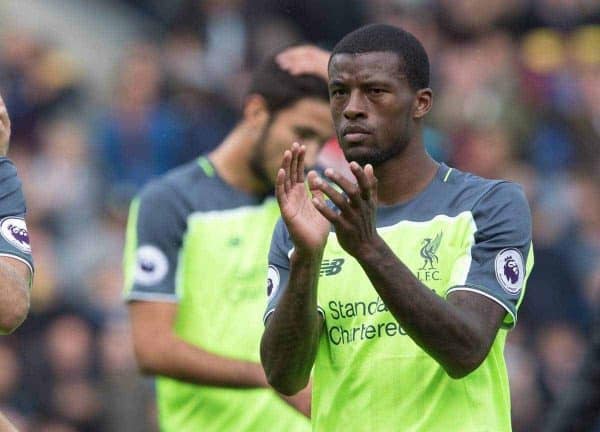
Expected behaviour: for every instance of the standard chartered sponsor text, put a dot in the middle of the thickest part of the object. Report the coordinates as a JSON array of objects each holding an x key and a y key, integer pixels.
[{"x": 340, "y": 335}]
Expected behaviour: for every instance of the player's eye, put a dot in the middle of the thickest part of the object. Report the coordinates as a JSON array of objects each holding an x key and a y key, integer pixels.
[
  {"x": 337, "y": 92},
  {"x": 376, "y": 91}
]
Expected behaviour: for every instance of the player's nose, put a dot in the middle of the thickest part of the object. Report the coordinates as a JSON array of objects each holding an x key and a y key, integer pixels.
[{"x": 356, "y": 106}]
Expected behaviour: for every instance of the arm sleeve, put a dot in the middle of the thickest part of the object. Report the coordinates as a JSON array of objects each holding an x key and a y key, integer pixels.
[
  {"x": 14, "y": 237},
  {"x": 501, "y": 256},
  {"x": 278, "y": 273},
  {"x": 155, "y": 230},
  {"x": 279, "y": 266}
]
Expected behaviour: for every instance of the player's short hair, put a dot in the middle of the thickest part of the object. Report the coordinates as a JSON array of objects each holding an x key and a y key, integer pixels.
[
  {"x": 280, "y": 89},
  {"x": 387, "y": 38}
]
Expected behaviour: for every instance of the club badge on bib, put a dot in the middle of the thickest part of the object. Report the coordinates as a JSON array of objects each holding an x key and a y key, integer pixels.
[{"x": 510, "y": 270}]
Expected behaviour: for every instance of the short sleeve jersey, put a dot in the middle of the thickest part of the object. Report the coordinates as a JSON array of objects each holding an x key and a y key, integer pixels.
[
  {"x": 462, "y": 233},
  {"x": 14, "y": 237},
  {"x": 194, "y": 240}
]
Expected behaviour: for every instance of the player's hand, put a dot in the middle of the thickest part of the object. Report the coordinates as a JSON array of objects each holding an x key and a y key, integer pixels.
[
  {"x": 301, "y": 400},
  {"x": 354, "y": 221},
  {"x": 307, "y": 227},
  {"x": 304, "y": 59},
  {"x": 4, "y": 128}
]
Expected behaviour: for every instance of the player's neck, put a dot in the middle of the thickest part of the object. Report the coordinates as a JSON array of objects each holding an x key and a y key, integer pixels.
[
  {"x": 232, "y": 161},
  {"x": 404, "y": 177}
]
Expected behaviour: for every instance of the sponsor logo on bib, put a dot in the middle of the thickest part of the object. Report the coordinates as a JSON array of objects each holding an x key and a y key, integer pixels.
[{"x": 331, "y": 267}]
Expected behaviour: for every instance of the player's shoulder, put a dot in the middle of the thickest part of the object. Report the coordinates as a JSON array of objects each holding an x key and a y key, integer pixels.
[
  {"x": 12, "y": 200},
  {"x": 177, "y": 184},
  {"x": 7, "y": 168},
  {"x": 472, "y": 190},
  {"x": 9, "y": 181},
  {"x": 281, "y": 243}
]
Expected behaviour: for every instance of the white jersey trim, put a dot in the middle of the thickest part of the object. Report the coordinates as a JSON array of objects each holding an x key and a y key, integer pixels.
[
  {"x": 18, "y": 258},
  {"x": 437, "y": 217},
  {"x": 155, "y": 297},
  {"x": 270, "y": 312}
]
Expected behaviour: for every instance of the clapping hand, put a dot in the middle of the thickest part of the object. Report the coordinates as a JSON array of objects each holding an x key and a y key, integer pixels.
[
  {"x": 354, "y": 220},
  {"x": 307, "y": 226}
]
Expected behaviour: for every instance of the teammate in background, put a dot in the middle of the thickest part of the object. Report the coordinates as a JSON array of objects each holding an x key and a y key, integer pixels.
[
  {"x": 195, "y": 256},
  {"x": 401, "y": 290},
  {"x": 16, "y": 264}
]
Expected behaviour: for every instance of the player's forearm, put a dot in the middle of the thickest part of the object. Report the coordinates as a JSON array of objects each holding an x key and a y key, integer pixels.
[
  {"x": 14, "y": 293},
  {"x": 451, "y": 336},
  {"x": 178, "y": 359},
  {"x": 289, "y": 344}
]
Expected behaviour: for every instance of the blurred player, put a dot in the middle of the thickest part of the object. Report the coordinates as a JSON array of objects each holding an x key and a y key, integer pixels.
[
  {"x": 16, "y": 265},
  {"x": 195, "y": 257},
  {"x": 420, "y": 268}
]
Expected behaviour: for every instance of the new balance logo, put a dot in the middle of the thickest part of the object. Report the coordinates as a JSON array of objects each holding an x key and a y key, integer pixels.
[{"x": 331, "y": 267}]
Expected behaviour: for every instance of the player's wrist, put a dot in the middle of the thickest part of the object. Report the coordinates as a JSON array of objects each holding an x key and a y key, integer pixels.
[
  {"x": 307, "y": 256},
  {"x": 371, "y": 252}
]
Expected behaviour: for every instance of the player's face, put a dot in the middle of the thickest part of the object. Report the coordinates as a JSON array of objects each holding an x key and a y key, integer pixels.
[
  {"x": 307, "y": 122},
  {"x": 372, "y": 106}
]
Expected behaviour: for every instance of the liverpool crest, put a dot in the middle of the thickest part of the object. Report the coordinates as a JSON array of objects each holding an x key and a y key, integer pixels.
[
  {"x": 429, "y": 252},
  {"x": 429, "y": 249}
]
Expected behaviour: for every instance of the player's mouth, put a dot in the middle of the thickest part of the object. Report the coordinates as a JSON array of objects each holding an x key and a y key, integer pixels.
[{"x": 355, "y": 133}]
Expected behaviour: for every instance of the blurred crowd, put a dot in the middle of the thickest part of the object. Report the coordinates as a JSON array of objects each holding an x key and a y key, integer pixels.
[{"x": 517, "y": 96}]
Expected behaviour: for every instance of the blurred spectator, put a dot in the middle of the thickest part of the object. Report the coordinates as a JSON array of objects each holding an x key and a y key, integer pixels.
[
  {"x": 320, "y": 21},
  {"x": 62, "y": 164},
  {"x": 564, "y": 13},
  {"x": 77, "y": 402},
  {"x": 10, "y": 377},
  {"x": 140, "y": 136},
  {"x": 38, "y": 80},
  {"x": 468, "y": 18},
  {"x": 560, "y": 348},
  {"x": 584, "y": 45},
  {"x": 526, "y": 398},
  {"x": 578, "y": 408},
  {"x": 69, "y": 348},
  {"x": 202, "y": 103},
  {"x": 122, "y": 413},
  {"x": 52, "y": 425}
]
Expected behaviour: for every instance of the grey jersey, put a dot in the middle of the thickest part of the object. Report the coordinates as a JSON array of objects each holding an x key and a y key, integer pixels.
[
  {"x": 159, "y": 223},
  {"x": 194, "y": 240},
  {"x": 462, "y": 232},
  {"x": 14, "y": 237}
]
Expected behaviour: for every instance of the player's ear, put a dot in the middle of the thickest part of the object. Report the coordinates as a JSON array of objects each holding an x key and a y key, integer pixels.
[
  {"x": 422, "y": 102},
  {"x": 256, "y": 111}
]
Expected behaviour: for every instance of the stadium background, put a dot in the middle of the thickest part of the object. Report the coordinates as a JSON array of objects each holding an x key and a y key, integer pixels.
[{"x": 104, "y": 95}]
